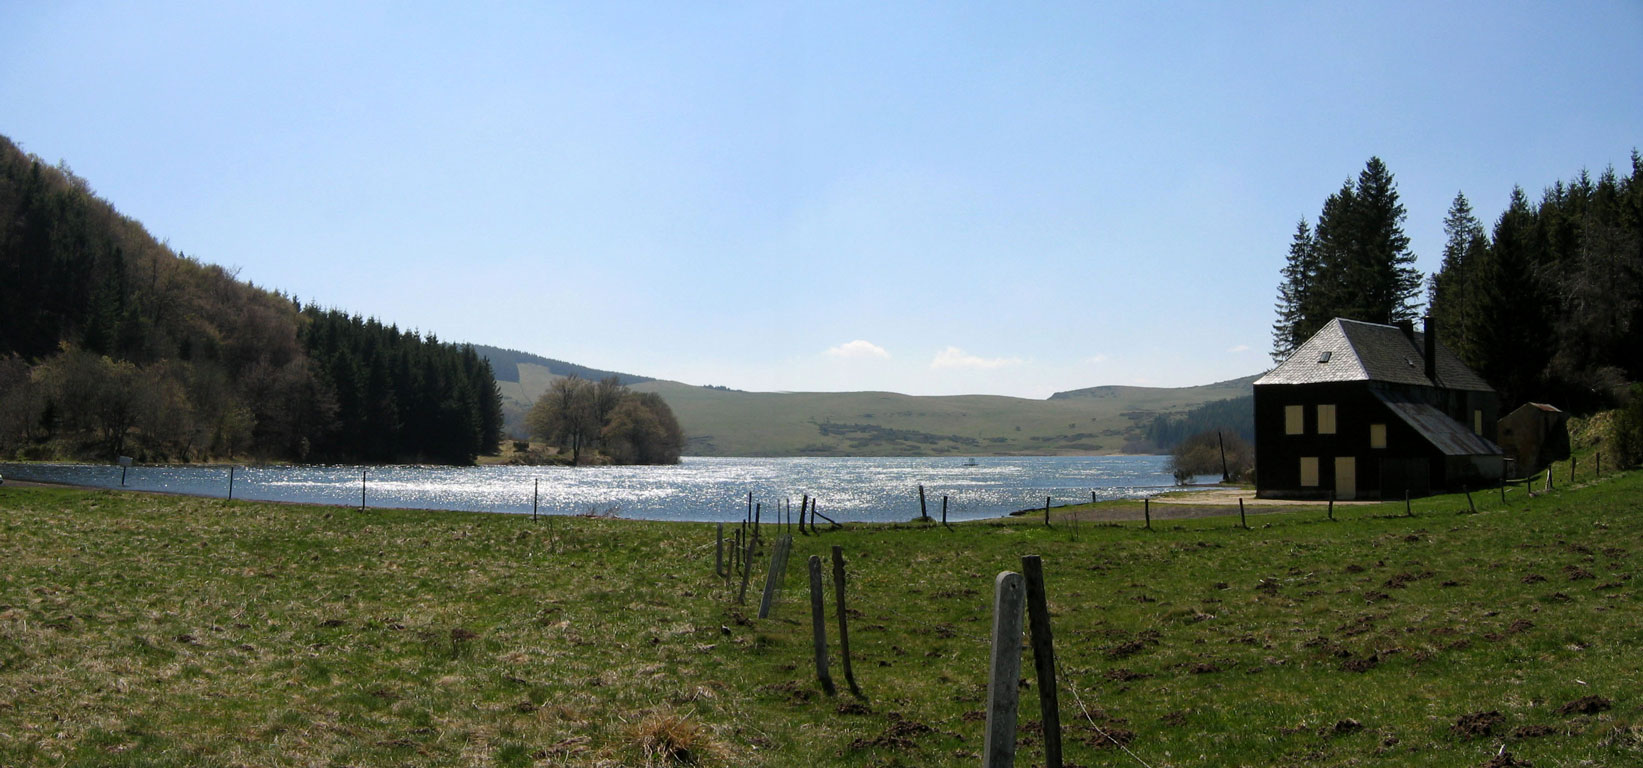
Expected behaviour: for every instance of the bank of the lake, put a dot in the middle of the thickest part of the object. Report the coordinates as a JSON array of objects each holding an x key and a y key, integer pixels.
[{"x": 147, "y": 630}]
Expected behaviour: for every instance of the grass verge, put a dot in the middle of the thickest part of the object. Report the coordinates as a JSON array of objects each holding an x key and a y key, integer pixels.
[{"x": 154, "y": 631}]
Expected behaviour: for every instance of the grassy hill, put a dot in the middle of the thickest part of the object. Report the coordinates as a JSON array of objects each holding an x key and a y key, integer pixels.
[
  {"x": 140, "y": 630},
  {"x": 725, "y": 422}
]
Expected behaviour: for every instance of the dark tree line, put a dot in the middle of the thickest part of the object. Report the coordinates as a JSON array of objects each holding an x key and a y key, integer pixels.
[
  {"x": 400, "y": 396},
  {"x": 111, "y": 344},
  {"x": 1546, "y": 305},
  {"x": 607, "y": 420},
  {"x": 1233, "y": 416}
]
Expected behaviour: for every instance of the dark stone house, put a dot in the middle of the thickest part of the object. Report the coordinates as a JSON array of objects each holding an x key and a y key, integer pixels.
[{"x": 1363, "y": 410}]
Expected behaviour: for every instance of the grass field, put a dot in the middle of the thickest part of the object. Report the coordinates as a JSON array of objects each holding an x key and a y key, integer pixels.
[{"x": 154, "y": 631}]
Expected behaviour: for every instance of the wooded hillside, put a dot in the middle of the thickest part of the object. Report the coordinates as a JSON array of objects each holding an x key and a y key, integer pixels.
[{"x": 111, "y": 344}]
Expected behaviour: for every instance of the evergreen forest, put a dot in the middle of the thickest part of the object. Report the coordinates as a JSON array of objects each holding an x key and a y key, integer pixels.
[
  {"x": 112, "y": 344},
  {"x": 1546, "y": 304}
]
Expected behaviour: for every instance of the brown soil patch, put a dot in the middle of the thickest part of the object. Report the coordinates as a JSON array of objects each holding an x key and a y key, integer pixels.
[
  {"x": 1585, "y": 705},
  {"x": 1532, "y": 731},
  {"x": 1476, "y": 724}
]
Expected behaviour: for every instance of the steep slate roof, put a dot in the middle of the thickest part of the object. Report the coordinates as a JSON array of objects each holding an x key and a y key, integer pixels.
[{"x": 1349, "y": 350}]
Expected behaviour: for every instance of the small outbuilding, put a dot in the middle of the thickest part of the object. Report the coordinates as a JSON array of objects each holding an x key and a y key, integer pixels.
[
  {"x": 1534, "y": 436},
  {"x": 1363, "y": 410}
]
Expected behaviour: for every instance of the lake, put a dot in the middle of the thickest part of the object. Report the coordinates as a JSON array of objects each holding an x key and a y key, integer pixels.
[{"x": 696, "y": 489}]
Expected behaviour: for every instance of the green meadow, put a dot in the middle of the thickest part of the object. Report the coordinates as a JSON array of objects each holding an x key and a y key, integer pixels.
[{"x": 141, "y": 630}]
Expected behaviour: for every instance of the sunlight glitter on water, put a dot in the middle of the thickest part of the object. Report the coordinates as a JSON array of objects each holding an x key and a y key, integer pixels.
[{"x": 701, "y": 489}]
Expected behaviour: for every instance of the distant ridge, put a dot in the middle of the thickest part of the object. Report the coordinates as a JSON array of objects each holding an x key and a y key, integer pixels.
[
  {"x": 1234, "y": 388},
  {"x": 505, "y": 364}
]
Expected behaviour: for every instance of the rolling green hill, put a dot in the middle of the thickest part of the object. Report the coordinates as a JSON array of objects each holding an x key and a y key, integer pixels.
[{"x": 726, "y": 422}]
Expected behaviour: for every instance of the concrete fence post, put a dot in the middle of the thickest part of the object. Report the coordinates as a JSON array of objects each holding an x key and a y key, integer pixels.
[{"x": 1004, "y": 674}]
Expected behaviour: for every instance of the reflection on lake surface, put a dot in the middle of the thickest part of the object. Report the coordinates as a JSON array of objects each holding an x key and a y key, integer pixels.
[{"x": 700, "y": 489}]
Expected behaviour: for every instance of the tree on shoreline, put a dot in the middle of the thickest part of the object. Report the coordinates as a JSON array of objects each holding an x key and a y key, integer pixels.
[{"x": 578, "y": 416}]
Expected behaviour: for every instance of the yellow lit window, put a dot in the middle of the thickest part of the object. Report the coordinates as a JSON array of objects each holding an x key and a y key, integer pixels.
[
  {"x": 1292, "y": 420},
  {"x": 1377, "y": 435},
  {"x": 1326, "y": 419},
  {"x": 1309, "y": 471}
]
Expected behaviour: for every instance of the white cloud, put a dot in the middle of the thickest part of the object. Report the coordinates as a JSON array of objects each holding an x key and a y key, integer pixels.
[
  {"x": 1096, "y": 360},
  {"x": 857, "y": 350},
  {"x": 953, "y": 357},
  {"x": 1239, "y": 348}
]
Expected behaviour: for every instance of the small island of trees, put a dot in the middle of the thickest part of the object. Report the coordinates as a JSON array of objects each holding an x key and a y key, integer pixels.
[{"x": 604, "y": 422}]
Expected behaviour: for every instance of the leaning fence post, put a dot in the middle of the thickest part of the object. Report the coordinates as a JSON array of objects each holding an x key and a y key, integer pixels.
[
  {"x": 1241, "y": 522},
  {"x": 922, "y": 514},
  {"x": 1469, "y": 504},
  {"x": 818, "y": 626},
  {"x": 1548, "y": 477},
  {"x": 773, "y": 578},
  {"x": 944, "y": 511},
  {"x": 747, "y": 571},
  {"x": 1004, "y": 675},
  {"x": 1038, "y": 616},
  {"x": 844, "y": 624}
]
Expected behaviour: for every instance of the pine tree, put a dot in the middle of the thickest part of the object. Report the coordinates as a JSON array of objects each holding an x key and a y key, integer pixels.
[
  {"x": 1294, "y": 293},
  {"x": 1452, "y": 298},
  {"x": 1360, "y": 264}
]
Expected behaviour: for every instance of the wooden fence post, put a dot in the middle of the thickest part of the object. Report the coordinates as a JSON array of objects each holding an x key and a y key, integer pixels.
[
  {"x": 804, "y": 506},
  {"x": 944, "y": 511},
  {"x": 230, "y": 481},
  {"x": 818, "y": 626},
  {"x": 1038, "y": 617},
  {"x": 1242, "y": 523},
  {"x": 922, "y": 514},
  {"x": 1469, "y": 504},
  {"x": 719, "y": 552},
  {"x": 773, "y": 578},
  {"x": 1004, "y": 674},
  {"x": 1408, "y": 511},
  {"x": 758, "y": 512},
  {"x": 1332, "y": 504},
  {"x": 1503, "y": 487},
  {"x": 1046, "y": 511},
  {"x": 747, "y": 571},
  {"x": 536, "y": 498},
  {"x": 844, "y": 623},
  {"x": 362, "y": 474},
  {"x": 1146, "y": 509}
]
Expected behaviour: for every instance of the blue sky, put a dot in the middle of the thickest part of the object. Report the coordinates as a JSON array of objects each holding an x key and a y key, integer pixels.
[{"x": 931, "y": 198}]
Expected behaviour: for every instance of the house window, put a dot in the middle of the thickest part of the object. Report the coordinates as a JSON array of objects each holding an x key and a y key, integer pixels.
[
  {"x": 1292, "y": 420},
  {"x": 1309, "y": 471},
  {"x": 1326, "y": 419},
  {"x": 1477, "y": 422},
  {"x": 1377, "y": 435}
]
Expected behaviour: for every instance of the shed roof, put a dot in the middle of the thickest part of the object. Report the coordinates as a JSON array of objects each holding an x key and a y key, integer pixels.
[
  {"x": 1450, "y": 437},
  {"x": 1349, "y": 350}
]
